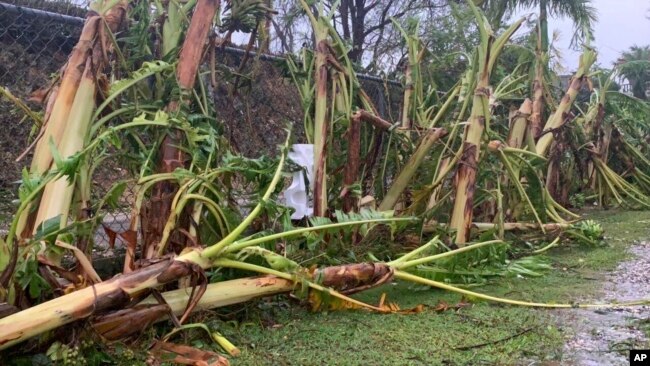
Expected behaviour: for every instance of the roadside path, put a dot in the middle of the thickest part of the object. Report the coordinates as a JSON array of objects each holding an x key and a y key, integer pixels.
[{"x": 604, "y": 337}]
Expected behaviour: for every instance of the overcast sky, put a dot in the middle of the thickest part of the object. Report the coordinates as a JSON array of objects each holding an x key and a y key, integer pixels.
[{"x": 621, "y": 24}]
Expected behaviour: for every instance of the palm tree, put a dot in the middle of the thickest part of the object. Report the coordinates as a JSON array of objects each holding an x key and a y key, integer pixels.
[
  {"x": 636, "y": 69},
  {"x": 581, "y": 12}
]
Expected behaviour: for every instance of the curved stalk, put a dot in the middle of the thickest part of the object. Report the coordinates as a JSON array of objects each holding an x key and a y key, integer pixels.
[
  {"x": 214, "y": 250},
  {"x": 424, "y": 281},
  {"x": 238, "y": 245},
  {"x": 431, "y": 258}
]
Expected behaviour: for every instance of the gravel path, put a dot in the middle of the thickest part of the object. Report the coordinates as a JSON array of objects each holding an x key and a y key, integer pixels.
[{"x": 604, "y": 337}]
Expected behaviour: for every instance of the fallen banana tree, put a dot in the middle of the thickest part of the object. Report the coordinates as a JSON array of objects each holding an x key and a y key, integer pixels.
[
  {"x": 121, "y": 290},
  {"x": 118, "y": 292}
]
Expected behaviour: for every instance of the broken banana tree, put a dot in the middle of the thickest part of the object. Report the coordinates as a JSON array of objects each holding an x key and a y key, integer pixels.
[
  {"x": 559, "y": 117},
  {"x": 536, "y": 118},
  {"x": 172, "y": 155},
  {"x": 58, "y": 167},
  {"x": 116, "y": 293},
  {"x": 488, "y": 52}
]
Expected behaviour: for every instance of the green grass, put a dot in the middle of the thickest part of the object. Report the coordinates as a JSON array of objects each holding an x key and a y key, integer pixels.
[{"x": 359, "y": 338}]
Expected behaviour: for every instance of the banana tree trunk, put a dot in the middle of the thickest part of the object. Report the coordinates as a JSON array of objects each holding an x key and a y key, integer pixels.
[
  {"x": 408, "y": 97},
  {"x": 536, "y": 119},
  {"x": 435, "y": 194},
  {"x": 121, "y": 290},
  {"x": 462, "y": 214},
  {"x": 321, "y": 124},
  {"x": 81, "y": 304},
  {"x": 66, "y": 124},
  {"x": 557, "y": 119},
  {"x": 594, "y": 129},
  {"x": 124, "y": 323},
  {"x": 543, "y": 24},
  {"x": 410, "y": 168},
  {"x": 517, "y": 133},
  {"x": 488, "y": 52},
  {"x": 57, "y": 195},
  {"x": 553, "y": 174},
  {"x": 55, "y": 125},
  {"x": 171, "y": 156},
  {"x": 351, "y": 173}
]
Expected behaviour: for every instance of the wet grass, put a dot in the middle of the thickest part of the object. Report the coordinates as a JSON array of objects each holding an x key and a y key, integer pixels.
[{"x": 478, "y": 335}]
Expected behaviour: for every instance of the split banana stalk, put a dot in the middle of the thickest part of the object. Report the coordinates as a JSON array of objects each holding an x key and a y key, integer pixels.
[
  {"x": 65, "y": 131},
  {"x": 488, "y": 52},
  {"x": 587, "y": 59}
]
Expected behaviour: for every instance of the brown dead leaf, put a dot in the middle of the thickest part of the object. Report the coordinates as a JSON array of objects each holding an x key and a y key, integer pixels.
[
  {"x": 39, "y": 95},
  {"x": 186, "y": 355},
  {"x": 441, "y": 306},
  {"x": 414, "y": 310},
  {"x": 131, "y": 239},
  {"x": 444, "y": 306},
  {"x": 392, "y": 307},
  {"x": 111, "y": 234}
]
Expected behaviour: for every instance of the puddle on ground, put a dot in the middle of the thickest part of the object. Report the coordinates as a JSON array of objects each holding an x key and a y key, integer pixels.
[{"x": 604, "y": 337}]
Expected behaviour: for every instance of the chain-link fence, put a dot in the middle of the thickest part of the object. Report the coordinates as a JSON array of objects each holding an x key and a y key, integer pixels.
[
  {"x": 35, "y": 42},
  {"x": 36, "y": 37},
  {"x": 33, "y": 45}
]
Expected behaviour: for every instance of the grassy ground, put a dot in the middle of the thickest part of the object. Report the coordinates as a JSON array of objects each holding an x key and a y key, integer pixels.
[
  {"x": 476, "y": 335},
  {"x": 277, "y": 332}
]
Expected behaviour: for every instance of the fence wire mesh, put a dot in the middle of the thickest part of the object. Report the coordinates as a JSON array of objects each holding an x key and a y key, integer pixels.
[
  {"x": 35, "y": 41},
  {"x": 33, "y": 45},
  {"x": 36, "y": 37}
]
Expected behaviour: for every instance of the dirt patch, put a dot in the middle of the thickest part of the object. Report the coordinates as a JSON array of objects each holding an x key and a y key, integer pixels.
[
  {"x": 255, "y": 117},
  {"x": 605, "y": 336}
]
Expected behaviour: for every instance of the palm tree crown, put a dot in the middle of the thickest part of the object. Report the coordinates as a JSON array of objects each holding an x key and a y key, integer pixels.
[
  {"x": 581, "y": 12},
  {"x": 636, "y": 69}
]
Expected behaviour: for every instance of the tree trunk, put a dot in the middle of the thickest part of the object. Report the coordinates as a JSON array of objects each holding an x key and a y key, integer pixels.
[
  {"x": 543, "y": 24},
  {"x": 122, "y": 290},
  {"x": 488, "y": 50},
  {"x": 62, "y": 100},
  {"x": 352, "y": 165},
  {"x": 517, "y": 132},
  {"x": 410, "y": 168},
  {"x": 171, "y": 156},
  {"x": 536, "y": 120},
  {"x": 461, "y": 219},
  {"x": 408, "y": 97},
  {"x": 321, "y": 125},
  {"x": 557, "y": 119}
]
